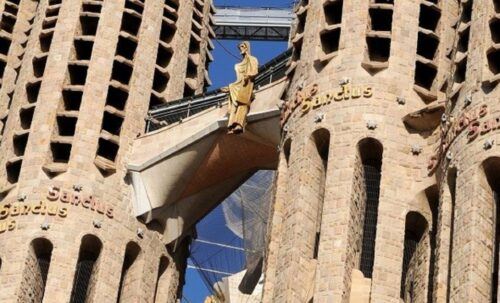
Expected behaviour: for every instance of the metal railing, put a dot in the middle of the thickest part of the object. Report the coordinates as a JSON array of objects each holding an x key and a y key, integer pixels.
[{"x": 178, "y": 110}]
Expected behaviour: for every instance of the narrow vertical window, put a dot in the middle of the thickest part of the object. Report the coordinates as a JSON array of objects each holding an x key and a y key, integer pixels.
[
  {"x": 319, "y": 164},
  {"x": 86, "y": 269},
  {"x": 297, "y": 38},
  {"x": 76, "y": 77},
  {"x": 378, "y": 37},
  {"x": 496, "y": 251},
  {"x": 330, "y": 31},
  {"x": 461, "y": 53},
  {"x": 493, "y": 52},
  {"x": 113, "y": 118},
  {"x": 36, "y": 270},
  {"x": 432, "y": 194},
  {"x": 318, "y": 149},
  {"x": 130, "y": 274},
  {"x": 191, "y": 84},
  {"x": 426, "y": 67},
  {"x": 415, "y": 227},
  {"x": 286, "y": 151},
  {"x": 164, "y": 54},
  {"x": 492, "y": 171},
  {"x": 452, "y": 183},
  {"x": 370, "y": 151},
  {"x": 8, "y": 21}
]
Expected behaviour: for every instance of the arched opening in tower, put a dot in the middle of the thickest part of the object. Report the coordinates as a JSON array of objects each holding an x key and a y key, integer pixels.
[
  {"x": 86, "y": 269},
  {"x": 370, "y": 153},
  {"x": 491, "y": 168}
]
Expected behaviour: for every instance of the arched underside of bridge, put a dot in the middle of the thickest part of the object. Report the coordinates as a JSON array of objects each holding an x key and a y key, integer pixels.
[{"x": 181, "y": 172}]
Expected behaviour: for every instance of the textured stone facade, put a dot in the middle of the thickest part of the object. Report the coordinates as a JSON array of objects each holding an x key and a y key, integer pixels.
[
  {"x": 77, "y": 80},
  {"x": 387, "y": 183},
  {"x": 406, "y": 91}
]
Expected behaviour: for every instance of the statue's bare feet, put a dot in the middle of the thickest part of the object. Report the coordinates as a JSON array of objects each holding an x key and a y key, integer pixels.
[
  {"x": 224, "y": 89},
  {"x": 237, "y": 129}
]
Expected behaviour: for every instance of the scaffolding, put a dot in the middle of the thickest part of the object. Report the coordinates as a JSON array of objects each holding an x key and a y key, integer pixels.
[{"x": 269, "y": 24}]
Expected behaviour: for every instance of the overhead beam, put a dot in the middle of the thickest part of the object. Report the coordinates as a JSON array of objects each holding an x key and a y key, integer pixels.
[{"x": 270, "y": 24}]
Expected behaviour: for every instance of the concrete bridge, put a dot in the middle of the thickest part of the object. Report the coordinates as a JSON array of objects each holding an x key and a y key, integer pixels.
[{"x": 182, "y": 171}]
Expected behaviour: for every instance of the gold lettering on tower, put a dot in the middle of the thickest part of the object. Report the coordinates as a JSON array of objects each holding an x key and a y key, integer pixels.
[{"x": 310, "y": 98}]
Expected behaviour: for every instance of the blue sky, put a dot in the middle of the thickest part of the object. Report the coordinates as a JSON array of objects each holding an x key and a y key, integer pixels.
[
  {"x": 222, "y": 73},
  {"x": 222, "y": 69}
]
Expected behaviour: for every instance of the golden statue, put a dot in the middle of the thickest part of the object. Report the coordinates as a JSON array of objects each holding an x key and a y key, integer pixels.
[
  {"x": 240, "y": 92},
  {"x": 211, "y": 299}
]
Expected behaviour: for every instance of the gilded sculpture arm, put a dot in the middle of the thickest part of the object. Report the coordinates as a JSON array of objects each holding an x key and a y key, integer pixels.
[
  {"x": 252, "y": 71},
  {"x": 254, "y": 67}
]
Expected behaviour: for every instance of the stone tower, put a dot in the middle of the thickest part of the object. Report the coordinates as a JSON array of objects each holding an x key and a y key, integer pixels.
[
  {"x": 389, "y": 168},
  {"x": 468, "y": 160},
  {"x": 77, "y": 78}
]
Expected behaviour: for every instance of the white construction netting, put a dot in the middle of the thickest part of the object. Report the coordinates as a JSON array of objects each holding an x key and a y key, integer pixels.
[{"x": 232, "y": 237}]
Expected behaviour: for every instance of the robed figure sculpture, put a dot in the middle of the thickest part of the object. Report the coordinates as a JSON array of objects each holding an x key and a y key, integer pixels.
[{"x": 241, "y": 91}]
